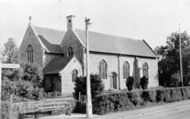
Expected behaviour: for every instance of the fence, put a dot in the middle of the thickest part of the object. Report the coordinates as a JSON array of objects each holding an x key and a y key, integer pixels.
[{"x": 12, "y": 110}]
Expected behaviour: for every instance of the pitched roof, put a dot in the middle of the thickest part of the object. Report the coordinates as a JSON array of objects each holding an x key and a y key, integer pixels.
[
  {"x": 52, "y": 48},
  {"x": 105, "y": 43},
  {"x": 98, "y": 42},
  {"x": 56, "y": 65},
  {"x": 50, "y": 38}
]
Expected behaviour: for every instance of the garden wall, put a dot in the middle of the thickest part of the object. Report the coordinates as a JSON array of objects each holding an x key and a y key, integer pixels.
[{"x": 20, "y": 108}]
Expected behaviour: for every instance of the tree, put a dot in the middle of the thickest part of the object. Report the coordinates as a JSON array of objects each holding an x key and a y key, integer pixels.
[
  {"x": 144, "y": 83},
  {"x": 10, "y": 52},
  {"x": 169, "y": 65},
  {"x": 129, "y": 83},
  {"x": 10, "y": 55},
  {"x": 9, "y": 76},
  {"x": 97, "y": 86},
  {"x": 24, "y": 82},
  {"x": 136, "y": 74}
]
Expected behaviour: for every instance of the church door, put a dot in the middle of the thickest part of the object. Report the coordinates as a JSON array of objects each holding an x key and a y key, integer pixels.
[{"x": 114, "y": 78}]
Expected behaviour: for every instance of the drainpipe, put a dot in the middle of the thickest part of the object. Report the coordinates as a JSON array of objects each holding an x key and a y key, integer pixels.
[{"x": 119, "y": 80}]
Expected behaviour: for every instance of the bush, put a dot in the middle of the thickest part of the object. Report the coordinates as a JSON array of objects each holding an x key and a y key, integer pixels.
[
  {"x": 149, "y": 96},
  {"x": 118, "y": 101},
  {"x": 135, "y": 97},
  {"x": 129, "y": 83},
  {"x": 97, "y": 86},
  {"x": 144, "y": 83},
  {"x": 111, "y": 103},
  {"x": 31, "y": 73}
]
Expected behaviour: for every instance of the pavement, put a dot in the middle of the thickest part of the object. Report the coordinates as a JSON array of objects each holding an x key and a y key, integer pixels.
[{"x": 176, "y": 110}]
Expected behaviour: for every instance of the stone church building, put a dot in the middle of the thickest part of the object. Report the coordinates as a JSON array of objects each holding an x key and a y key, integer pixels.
[{"x": 61, "y": 55}]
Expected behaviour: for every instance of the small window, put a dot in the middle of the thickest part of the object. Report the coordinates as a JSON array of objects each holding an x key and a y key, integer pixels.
[
  {"x": 74, "y": 75},
  {"x": 145, "y": 70},
  {"x": 126, "y": 70},
  {"x": 70, "y": 51},
  {"x": 29, "y": 52},
  {"x": 103, "y": 69}
]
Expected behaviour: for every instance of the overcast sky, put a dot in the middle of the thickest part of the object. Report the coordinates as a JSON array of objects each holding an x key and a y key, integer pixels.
[{"x": 152, "y": 20}]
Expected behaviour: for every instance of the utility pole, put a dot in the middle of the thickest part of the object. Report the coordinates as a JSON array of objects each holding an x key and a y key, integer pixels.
[
  {"x": 180, "y": 55},
  {"x": 89, "y": 100}
]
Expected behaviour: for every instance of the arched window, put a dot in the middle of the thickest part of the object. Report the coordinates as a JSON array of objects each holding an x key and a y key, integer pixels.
[
  {"x": 74, "y": 74},
  {"x": 103, "y": 69},
  {"x": 145, "y": 70},
  {"x": 29, "y": 52},
  {"x": 126, "y": 70},
  {"x": 70, "y": 51}
]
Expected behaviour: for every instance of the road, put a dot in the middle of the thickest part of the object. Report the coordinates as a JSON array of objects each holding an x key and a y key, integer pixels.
[
  {"x": 177, "y": 113},
  {"x": 177, "y": 110}
]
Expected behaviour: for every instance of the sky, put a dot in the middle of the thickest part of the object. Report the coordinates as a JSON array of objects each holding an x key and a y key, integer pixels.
[{"x": 151, "y": 20}]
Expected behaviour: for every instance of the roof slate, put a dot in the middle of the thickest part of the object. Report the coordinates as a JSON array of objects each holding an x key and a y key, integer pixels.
[
  {"x": 51, "y": 39},
  {"x": 105, "y": 43},
  {"x": 51, "y": 35},
  {"x": 56, "y": 65},
  {"x": 98, "y": 42}
]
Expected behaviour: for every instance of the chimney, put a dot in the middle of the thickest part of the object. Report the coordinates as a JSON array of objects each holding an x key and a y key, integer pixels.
[{"x": 70, "y": 22}]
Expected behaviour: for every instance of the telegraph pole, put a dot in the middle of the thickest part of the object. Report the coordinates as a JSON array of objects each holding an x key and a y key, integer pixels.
[
  {"x": 180, "y": 55},
  {"x": 89, "y": 100}
]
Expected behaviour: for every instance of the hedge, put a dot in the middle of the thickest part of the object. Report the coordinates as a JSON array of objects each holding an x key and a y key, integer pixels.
[{"x": 123, "y": 100}]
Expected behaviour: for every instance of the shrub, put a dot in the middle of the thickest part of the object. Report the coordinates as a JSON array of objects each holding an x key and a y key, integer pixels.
[
  {"x": 135, "y": 97},
  {"x": 129, "y": 83},
  {"x": 123, "y": 100},
  {"x": 30, "y": 72},
  {"x": 149, "y": 95},
  {"x": 144, "y": 82},
  {"x": 111, "y": 103},
  {"x": 97, "y": 86}
]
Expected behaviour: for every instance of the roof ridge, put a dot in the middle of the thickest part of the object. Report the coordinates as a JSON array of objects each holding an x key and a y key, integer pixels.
[
  {"x": 89, "y": 31},
  {"x": 49, "y": 28},
  {"x": 112, "y": 35}
]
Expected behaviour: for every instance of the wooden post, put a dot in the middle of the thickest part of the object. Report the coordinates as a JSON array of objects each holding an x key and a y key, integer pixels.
[
  {"x": 4, "y": 65},
  {"x": 0, "y": 86},
  {"x": 11, "y": 107}
]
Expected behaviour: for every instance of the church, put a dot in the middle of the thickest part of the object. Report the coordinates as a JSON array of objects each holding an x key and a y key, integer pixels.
[{"x": 61, "y": 56}]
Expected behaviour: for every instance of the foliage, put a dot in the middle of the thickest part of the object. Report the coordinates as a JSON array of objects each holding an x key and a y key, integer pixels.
[
  {"x": 118, "y": 101},
  {"x": 10, "y": 52},
  {"x": 10, "y": 55},
  {"x": 169, "y": 64},
  {"x": 31, "y": 73},
  {"x": 129, "y": 83},
  {"x": 9, "y": 76},
  {"x": 136, "y": 74},
  {"x": 96, "y": 86},
  {"x": 144, "y": 83},
  {"x": 25, "y": 85},
  {"x": 7, "y": 89},
  {"x": 23, "y": 82}
]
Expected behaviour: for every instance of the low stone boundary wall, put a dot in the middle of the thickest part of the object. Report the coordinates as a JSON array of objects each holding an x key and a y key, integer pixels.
[{"x": 13, "y": 110}]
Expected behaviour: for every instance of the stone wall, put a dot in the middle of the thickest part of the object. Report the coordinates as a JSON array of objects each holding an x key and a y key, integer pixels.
[
  {"x": 115, "y": 64},
  {"x": 112, "y": 63},
  {"x": 66, "y": 75},
  {"x": 31, "y": 39},
  {"x": 71, "y": 40}
]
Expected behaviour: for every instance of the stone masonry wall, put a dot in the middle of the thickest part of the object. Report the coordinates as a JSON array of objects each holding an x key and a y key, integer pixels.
[
  {"x": 66, "y": 76},
  {"x": 31, "y": 39},
  {"x": 115, "y": 64},
  {"x": 71, "y": 40}
]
